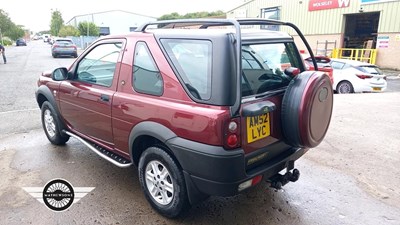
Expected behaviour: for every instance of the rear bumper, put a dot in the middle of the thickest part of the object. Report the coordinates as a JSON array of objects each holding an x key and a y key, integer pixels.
[
  {"x": 370, "y": 87},
  {"x": 211, "y": 170},
  {"x": 64, "y": 52}
]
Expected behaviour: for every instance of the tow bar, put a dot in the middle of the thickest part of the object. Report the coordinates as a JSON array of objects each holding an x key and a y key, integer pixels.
[{"x": 278, "y": 181}]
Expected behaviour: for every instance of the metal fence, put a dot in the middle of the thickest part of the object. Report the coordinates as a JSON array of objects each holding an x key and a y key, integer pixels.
[
  {"x": 83, "y": 41},
  {"x": 363, "y": 55}
]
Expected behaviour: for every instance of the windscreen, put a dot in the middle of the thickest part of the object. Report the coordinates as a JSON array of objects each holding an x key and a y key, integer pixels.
[{"x": 263, "y": 66}]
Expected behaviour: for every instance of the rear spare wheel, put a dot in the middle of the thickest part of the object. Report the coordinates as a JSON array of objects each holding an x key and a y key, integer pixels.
[{"x": 307, "y": 109}]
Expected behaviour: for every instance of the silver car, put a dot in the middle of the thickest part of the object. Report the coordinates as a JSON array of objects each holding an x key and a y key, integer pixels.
[{"x": 64, "y": 47}]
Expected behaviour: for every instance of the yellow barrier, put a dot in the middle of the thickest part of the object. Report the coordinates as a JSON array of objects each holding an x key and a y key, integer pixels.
[{"x": 363, "y": 55}]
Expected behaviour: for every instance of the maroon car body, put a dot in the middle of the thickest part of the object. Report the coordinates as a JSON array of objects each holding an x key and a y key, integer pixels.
[{"x": 135, "y": 99}]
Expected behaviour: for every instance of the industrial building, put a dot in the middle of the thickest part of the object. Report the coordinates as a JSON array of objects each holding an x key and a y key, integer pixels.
[
  {"x": 358, "y": 29},
  {"x": 113, "y": 21}
]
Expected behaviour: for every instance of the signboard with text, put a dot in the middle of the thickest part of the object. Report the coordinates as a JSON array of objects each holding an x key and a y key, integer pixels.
[
  {"x": 314, "y": 5},
  {"x": 375, "y": 1},
  {"x": 382, "y": 42}
]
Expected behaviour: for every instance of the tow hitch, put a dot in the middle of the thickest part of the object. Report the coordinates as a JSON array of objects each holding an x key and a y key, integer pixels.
[{"x": 278, "y": 181}]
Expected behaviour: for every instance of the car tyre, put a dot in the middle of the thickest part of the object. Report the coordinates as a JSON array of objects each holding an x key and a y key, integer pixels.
[
  {"x": 54, "y": 56},
  {"x": 344, "y": 87},
  {"x": 51, "y": 125},
  {"x": 307, "y": 109},
  {"x": 75, "y": 55},
  {"x": 163, "y": 182}
]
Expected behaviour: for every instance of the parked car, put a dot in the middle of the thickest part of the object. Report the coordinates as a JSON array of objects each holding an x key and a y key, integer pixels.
[
  {"x": 20, "y": 42},
  {"x": 46, "y": 37},
  {"x": 323, "y": 64},
  {"x": 64, "y": 47},
  {"x": 200, "y": 112},
  {"x": 354, "y": 76}
]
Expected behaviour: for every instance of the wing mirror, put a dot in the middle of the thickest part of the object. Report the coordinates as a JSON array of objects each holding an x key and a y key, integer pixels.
[
  {"x": 60, "y": 74},
  {"x": 292, "y": 71}
]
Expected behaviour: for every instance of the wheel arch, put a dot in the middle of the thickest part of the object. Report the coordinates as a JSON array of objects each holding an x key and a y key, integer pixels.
[
  {"x": 146, "y": 134},
  {"x": 44, "y": 94}
]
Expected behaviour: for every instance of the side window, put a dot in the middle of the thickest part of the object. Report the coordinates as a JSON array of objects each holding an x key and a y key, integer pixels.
[
  {"x": 146, "y": 76},
  {"x": 98, "y": 66}
]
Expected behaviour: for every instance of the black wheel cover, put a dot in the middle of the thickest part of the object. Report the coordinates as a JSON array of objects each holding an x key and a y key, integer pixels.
[{"x": 307, "y": 109}]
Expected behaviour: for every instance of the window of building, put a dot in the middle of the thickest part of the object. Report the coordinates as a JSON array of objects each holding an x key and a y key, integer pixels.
[
  {"x": 146, "y": 76},
  {"x": 273, "y": 14},
  {"x": 104, "y": 31}
]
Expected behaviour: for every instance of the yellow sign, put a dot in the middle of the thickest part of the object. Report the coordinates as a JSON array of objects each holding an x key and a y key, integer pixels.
[{"x": 258, "y": 127}]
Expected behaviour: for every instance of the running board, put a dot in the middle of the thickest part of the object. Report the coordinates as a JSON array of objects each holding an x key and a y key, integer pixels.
[{"x": 103, "y": 153}]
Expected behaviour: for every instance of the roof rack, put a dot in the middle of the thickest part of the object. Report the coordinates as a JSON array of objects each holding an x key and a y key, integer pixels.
[{"x": 206, "y": 23}]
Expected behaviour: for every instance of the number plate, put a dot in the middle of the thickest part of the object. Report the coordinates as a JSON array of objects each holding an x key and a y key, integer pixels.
[
  {"x": 376, "y": 89},
  {"x": 258, "y": 127}
]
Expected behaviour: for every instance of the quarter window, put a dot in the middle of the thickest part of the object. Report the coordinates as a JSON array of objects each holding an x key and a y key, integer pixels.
[
  {"x": 98, "y": 66},
  {"x": 192, "y": 59},
  {"x": 337, "y": 65},
  {"x": 146, "y": 76}
]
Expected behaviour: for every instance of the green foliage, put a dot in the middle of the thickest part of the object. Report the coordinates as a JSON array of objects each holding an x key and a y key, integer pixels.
[
  {"x": 9, "y": 28},
  {"x": 15, "y": 33},
  {"x": 68, "y": 31},
  {"x": 194, "y": 15},
  {"x": 43, "y": 32},
  {"x": 56, "y": 23},
  {"x": 88, "y": 29},
  {"x": 7, "y": 41}
]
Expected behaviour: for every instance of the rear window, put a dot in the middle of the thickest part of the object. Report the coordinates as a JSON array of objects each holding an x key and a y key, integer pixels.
[
  {"x": 263, "y": 66},
  {"x": 192, "y": 59},
  {"x": 65, "y": 42},
  {"x": 370, "y": 69}
]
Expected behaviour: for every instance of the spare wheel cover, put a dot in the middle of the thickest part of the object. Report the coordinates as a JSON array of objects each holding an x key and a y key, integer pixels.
[{"x": 307, "y": 109}]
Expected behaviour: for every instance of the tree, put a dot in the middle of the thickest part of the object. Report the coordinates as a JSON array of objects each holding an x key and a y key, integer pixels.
[
  {"x": 56, "y": 22},
  {"x": 175, "y": 15},
  {"x": 170, "y": 16},
  {"x": 88, "y": 28},
  {"x": 8, "y": 28},
  {"x": 68, "y": 31}
]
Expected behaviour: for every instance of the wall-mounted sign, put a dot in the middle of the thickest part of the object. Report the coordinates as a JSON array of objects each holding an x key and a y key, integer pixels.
[
  {"x": 314, "y": 5},
  {"x": 382, "y": 42},
  {"x": 397, "y": 37},
  {"x": 375, "y": 1}
]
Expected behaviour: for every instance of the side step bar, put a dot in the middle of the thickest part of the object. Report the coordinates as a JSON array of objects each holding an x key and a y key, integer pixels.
[{"x": 103, "y": 153}]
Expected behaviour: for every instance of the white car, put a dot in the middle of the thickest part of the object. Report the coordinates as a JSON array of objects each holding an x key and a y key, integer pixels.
[{"x": 352, "y": 76}]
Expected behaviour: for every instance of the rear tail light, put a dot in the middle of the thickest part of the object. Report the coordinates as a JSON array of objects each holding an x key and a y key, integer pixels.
[
  {"x": 232, "y": 133},
  {"x": 363, "y": 76}
]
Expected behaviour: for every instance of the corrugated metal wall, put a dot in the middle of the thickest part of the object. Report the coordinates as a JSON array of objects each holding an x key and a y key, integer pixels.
[{"x": 330, "y": 21}]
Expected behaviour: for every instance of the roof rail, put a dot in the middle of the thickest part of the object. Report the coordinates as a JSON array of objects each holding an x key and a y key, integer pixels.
[{"x": 206, "y": 23}]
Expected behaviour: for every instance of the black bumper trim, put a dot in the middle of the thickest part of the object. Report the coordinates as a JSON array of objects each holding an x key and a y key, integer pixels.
[{"x": 216, "y": 171}]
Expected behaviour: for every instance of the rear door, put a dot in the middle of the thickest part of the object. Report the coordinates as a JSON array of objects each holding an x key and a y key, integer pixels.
[
  {"x": 263, "y": 84},
  {"x": 86, "y": 100}
]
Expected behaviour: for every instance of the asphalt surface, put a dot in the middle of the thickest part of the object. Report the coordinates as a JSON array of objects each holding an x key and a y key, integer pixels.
[{"x": 351, "y": 178}]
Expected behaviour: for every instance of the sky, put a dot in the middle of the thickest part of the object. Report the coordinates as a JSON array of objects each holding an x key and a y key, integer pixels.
[{"x": 37, "y": 15}]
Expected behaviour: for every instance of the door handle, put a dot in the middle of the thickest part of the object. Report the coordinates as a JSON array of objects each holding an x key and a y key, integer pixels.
[{"x": 104, "y": 98}]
